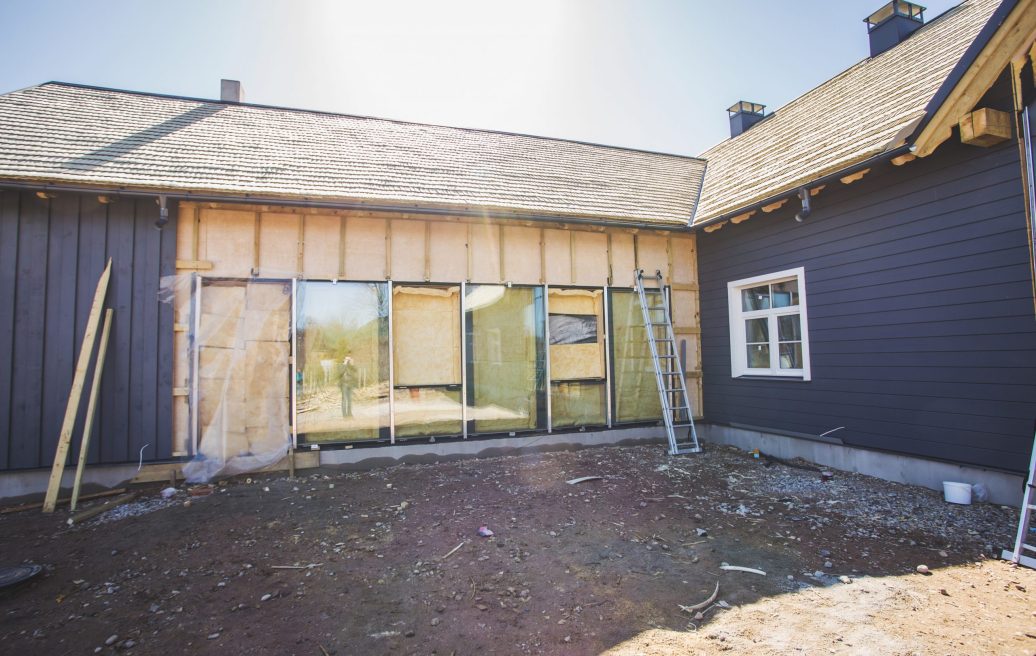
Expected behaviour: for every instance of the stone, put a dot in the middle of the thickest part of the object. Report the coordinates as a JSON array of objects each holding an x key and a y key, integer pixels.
[
  {"x": 923, "y": 569},
  {"x": 112, "y": 639}
]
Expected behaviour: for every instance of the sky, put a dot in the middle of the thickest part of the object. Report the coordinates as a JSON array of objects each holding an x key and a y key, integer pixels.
[{"x": 650, "y": 74}]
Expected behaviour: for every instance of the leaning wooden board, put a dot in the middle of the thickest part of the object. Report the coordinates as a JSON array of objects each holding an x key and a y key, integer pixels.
[{"x": 78, "y": 380}]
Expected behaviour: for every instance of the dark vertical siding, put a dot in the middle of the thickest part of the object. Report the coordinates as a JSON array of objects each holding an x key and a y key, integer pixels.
[
  {"x": 921, "y": 323},
  {"x": 51, "y": 255}
]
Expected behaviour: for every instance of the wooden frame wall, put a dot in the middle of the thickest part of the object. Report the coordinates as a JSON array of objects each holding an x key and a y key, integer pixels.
[{"x": 243, "y": 241}]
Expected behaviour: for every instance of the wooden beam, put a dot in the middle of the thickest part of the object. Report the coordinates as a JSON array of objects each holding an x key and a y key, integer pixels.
[
  {"x": 611, "y": 273},
  {"x": 684, "y": 286},
  {"x": 985, "y": 127},
  {"x": 715, "y": 226},
  {"x": 341, "y": 245},
  {"x": 91, "y": 406},
  {"x": 301, "y": 252},
  {"x": 853, "y": 177},
  {"x": 180, "y": 327},
  {"x": 740, "y": 218},
  {"x": 427, "y": 251},
  {"x": 181, "y": 391},
  {"x": 90, "y": 513},
  {"x": 900, "y": 160},
  {"x": 78, "y": 379},
  {"x": 82, "y": 497},
  {"x": 194, "y": 265}
]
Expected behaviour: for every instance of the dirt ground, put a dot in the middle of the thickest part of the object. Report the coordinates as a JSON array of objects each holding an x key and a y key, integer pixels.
[{"x": 598, "y": 567}]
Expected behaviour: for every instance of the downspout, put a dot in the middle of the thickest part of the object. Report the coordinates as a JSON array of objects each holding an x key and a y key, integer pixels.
[
  {"x": 163, "y": 212},
  {"x": 807, "y": 209}
]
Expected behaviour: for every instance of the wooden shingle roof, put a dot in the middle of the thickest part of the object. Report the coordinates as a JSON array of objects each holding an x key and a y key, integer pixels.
[
  {"x": 75, "y": 135},
  {"x": 846, "y": 120}
]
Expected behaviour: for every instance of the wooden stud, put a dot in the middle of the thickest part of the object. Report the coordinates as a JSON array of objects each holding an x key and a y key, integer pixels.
[
  {"x": 341, "y": 246},
  {"x": 853, "y": 177},
  {"x": 388, "y": 252},
  {"x": 774, "y": 205},
  {"x": 684, "y": 286},
  {"x": 636, "y": 252},
  {"x": 611, "y": 273},
  {"x": 467, "y": 248},
  {"x": 543, "y": 256},
  {"x": 82, "y": 497},
  {"x": 181, "y": 391},
  {"x": 502, "y": 249},
  {"x": 194, "y": 265},
  {"x": 196, "y": 235},
  {"x": 78, "y": 379},
  {"x": 180, "y": 327},
  {"x": 740, "y": 218},
  {"x": 299, "y": 264},
  {"x": 257, "y": 228},
  {"x": 91, "y": 406},
  {"x": 427, "y": 251},
  {"x": 572, "y": 258},
  {"x": 715, "y": 226},
  {"x": 669, "y": 258},
  {"x": 90, "y": 513},
  {"x": 900, "y": 160}
]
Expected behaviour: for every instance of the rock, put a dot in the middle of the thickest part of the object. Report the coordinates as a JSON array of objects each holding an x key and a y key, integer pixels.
[
  {"x": 482, "y": 607},
  {"x": 129, "y": 644},
  {"x": 943, "y": 554},
  {"x": 265, "y": 597},
  {"x": 845, "y": 579},
  {"x": 790, "y": 577},
  {"x": 701, "y": 532},
  {"x": 409, "y": 634},
  {"x": 435, "y": 621},
  {"x": 828, "y": 564},
  {"x": 824, "y": 553},
  {"x": 818, "y": 574},
  {"x": 112, "y": 639},
  {"x": 923, "y": 569},
  {"x": 213, "y": 636}
]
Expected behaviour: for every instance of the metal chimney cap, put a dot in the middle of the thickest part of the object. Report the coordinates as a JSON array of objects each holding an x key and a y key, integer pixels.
[
  {"x": 895, "y": 8},
  {"x": 747, "y": 108}
]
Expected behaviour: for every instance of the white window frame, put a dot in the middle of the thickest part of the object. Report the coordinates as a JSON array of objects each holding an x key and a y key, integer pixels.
[{"x": 738, "y": 356}]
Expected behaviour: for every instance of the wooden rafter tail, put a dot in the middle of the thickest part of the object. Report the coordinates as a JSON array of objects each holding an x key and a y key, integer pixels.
[
  {"x": 91, "y": 406},
  {"x": 78, "y": 379}
]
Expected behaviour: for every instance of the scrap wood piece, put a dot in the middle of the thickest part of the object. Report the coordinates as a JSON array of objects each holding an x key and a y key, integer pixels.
[
  {"x": 78, "y": 380},
  {"x": 577, "y": 481},
  {"x": 738, "y": 568},
  {"x": 90, "y": 513},
  {"x": 91, "y": 407},
  {"x": 82, "y": 497},
  {"x": 454, "y": 550},
  {"x": 703, "y": 604}
]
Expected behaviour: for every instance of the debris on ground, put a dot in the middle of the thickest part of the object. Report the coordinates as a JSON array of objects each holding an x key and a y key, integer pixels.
[{"x": 577, "y": 481}]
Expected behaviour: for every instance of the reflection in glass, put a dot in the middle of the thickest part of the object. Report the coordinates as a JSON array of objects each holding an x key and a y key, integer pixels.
[
  {"x": 342, "y": 372},
  {"x": 578, "y": 403},
  {"x": 426, "y": 356},
  {"x": 506, "y": 358},
  {"x": 791, "y": 355},
  {"x": 635, "y": 387},
  {"x": 759, "y": 356},
  {"x": 757, "y": 330},
  {"x": 786, "y": 293},
  {"x": 756, "y": 298},
  {"x": 788, "y": 328}
]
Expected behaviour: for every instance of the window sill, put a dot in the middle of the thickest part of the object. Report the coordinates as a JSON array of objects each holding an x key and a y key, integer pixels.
[{"x": 800, "y": 379}]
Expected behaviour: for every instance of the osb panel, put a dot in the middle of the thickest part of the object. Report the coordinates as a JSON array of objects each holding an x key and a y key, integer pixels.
[
  {"x": 266, "y": 370},
  {"x": 653, "y": 254},
  {"x": 279, "y": 245},
  {"x": 557, "y": 252},
  {"x": 685, "y": 257},
  {"x": 408, "y": 250},
  {"x": 226, "y": 300},
  {"x": 228, "y": 241},
  {"x": 320, "y": 246},
  {"x": 684, "y": 307},
  {"x": 591, "y": 252},
  {"x": 575, "y": 301},
  {"x": 485, "y": 253},
  {"x": 522, "y": 255},
  {"x": 268, "y": 296},
  {"x": 426, "y": 335},
  {"x": 181, "y": 429},
  {"x": 571, "y": 361},
  {"x": 623, "y": 262},
  {"x": 448, "y": 251},
  {"x": 365, "y": 249},
  {"x": 692, "y": 361}
]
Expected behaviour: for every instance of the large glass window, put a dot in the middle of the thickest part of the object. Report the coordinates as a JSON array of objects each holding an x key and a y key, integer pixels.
[
  {"x": 342, "y": 367},
  {"x": 635, "y": 389},
  {"x": 505, "y": 329},
  {"x": 768, "y": 335},
  {"x": 426, "y": 336},
  {"x": 577, "y": 365}
]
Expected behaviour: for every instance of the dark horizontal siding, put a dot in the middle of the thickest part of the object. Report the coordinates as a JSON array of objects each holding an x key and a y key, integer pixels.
[
  {"x": 921, "y": 324},
  {"x": 51, "y": 255}
]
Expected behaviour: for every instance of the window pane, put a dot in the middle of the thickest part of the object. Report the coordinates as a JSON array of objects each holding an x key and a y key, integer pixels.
[
  {"x": 788, "y": 328},
  {"x": 635, "y": 389},
  {"x": 342, "y": 380},
  {"x": 578, "y": 403},
  {"x": 756, "y": 298},
  {"x": 791, "y": 355},
  {"x": 506, "y": 361},
  {"x": 757, "y": 330},
  {"x": 786, "y": 294},
  {"x": 759, "y": 356},
  {"x": 426, "y": 327}
]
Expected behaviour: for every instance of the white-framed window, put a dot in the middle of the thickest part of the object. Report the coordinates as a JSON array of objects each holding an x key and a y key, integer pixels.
[{"x": 769, "y": 333}]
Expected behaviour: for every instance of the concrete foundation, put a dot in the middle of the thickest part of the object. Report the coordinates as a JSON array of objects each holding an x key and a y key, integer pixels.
[{"x": 1004, "y": 488}]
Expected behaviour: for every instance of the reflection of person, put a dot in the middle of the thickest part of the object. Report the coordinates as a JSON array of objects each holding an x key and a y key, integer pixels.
[{"x": 346, "y": 382}]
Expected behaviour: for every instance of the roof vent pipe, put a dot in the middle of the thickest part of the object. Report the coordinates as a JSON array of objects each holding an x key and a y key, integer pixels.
[
  {"x": 892, "y": 24},
  {"x": 743, "y": 115},
  {"x": 231, "y": 91}
]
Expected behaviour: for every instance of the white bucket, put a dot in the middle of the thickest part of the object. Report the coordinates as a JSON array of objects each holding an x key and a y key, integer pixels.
[{"x": 957, "y": 492}]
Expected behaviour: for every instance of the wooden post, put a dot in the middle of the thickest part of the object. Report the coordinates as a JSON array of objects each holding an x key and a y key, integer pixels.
[
  {"x": 72, "y": 409},
  {"x": 91, "y": 406}
]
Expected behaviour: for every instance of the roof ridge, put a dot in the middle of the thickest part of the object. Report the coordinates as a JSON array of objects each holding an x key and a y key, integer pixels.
[{"x": 322, "y": 112}]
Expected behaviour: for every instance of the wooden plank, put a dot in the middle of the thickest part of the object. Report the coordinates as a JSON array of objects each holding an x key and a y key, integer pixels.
[
  {"x": 100, "y": 509},
  {"x": 181, "y": 391},
  {"x": 82, "y": 497},
  {"x": 9, "y": 221},
  {"x": 27, "y": 371},
  {"x": 91, "y": 406},
  {"x": 159, "y": 472},
  {"x": 59, "y": 356},
  {"x": 194, "y": 265},
  {"x": 61, "y": 454}
]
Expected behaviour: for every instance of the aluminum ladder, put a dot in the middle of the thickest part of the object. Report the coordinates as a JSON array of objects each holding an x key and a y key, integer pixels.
[
  {"x": 672, "y": 387},
  {"x": 1025, "y": 520}
]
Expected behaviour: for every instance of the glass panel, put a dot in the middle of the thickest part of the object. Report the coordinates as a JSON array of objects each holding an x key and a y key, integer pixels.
[
  {"x": 788, "y": 328},
  {"x": 791, "y": 355},
  {"x": 426, "y": 355},
  {"x": 757, "y": 330},
  {"x": 635, "y": 388},
  {"x": 758, "y": 356},
  {"x": 578, "y": 403},
  {"x": 786, "y": 294},
  {"x": 756, "y": 298},
  {"x": 506, "y": 359},
  {"x": 243, "y": 379},
  {"x": 342, "y": 379}
]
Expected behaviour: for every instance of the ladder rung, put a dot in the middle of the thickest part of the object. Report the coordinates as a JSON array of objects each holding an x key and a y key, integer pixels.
[
  {"x": 656, "y": 307},
  {"x": 666, "y": 357}
]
